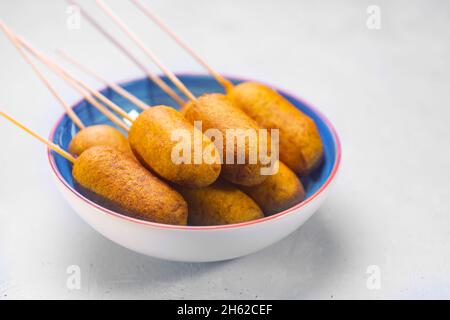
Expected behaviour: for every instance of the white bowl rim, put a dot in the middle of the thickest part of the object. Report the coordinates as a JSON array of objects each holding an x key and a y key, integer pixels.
[{"x": 278, "y": 215}]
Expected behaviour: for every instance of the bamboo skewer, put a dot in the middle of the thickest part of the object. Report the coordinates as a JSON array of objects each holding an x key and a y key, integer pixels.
[
  {"x": 118, "y": 89},
  {"x": 70, "y": 112},
  {"x": 153, "y": 77},
  {"x": 66, "y": 73},
  {"x": 145, "y": 49},
  {"x": 150, "y": 14},
  {"x": 49, "y": 144},
  {"x": 80, "y": 86},
  {"x": 19, "y": 42}
]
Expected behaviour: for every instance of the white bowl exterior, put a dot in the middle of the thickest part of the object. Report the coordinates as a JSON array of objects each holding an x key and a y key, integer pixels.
[{"x": 190, "y": 245}]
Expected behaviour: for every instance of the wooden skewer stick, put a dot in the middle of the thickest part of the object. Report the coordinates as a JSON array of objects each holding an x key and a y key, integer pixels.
[
  {"x": 73, "y": 82},
  {"x": 51, "y": 145},
  {"x": 150, "y": 14},
  {"x": 118, "y": 89},
  {"x": 76, "y": 84},
  {"x": 41, "y": 76},
  {"x": 153, "y": 77},
  {"x": 93, "y": 92},
  {"x": 146, "y": 50},
  {"x": 18, "y": 42}
]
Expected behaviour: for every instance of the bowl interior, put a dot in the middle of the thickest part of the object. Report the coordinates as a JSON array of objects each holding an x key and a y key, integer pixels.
[{"x": 198, "y": 84}]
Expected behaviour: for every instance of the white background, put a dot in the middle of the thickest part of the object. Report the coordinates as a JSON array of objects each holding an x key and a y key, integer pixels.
[{"x": 386, "y": 91}]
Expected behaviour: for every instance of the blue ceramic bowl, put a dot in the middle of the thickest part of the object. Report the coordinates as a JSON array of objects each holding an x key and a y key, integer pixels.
[{"x": 316, "y": 185}]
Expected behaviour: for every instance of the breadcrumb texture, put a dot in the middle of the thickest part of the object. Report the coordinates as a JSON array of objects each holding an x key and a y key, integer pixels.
[
  {"x": 118, "y": 182},
  {"x": 216, "y": 111},
  {"x": 151, "y": 140},
  {"x": 278, "y": 192},
  {"x": 219, "y": 204},
  {"x": 98, "y": 135},
  {"x": 301, "y": 148}
]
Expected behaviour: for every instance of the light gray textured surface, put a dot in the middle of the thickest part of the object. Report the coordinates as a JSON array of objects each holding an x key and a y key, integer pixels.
[{"x": 386, "y": 91}]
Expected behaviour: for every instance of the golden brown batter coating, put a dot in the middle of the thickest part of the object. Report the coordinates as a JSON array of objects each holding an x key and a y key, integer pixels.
[
  {"x": 219, "y": 204},
  {"x": 120, "y": 183},
  {"x": 150, "y": 138},
  {"x": 301, "y": 148},
  {"x": 278, "y": 192},
  {"x": 98, "y": 135},
  {"x": 217, "y": 112}
]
